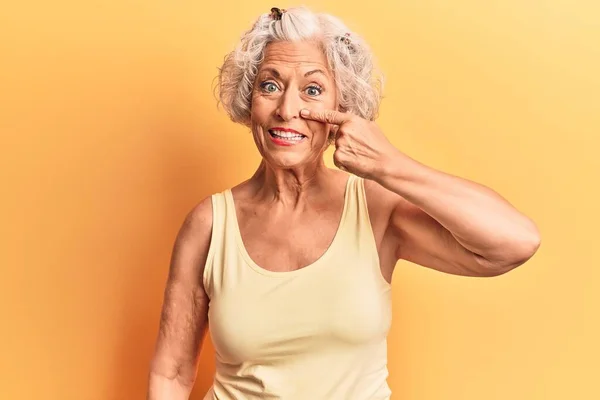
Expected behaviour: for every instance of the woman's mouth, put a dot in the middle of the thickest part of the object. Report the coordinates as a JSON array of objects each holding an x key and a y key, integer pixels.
[{"x": 285, "y": 138}]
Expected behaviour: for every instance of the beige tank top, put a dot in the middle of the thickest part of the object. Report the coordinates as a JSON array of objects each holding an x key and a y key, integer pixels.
[{"x": 317, "y": 333}]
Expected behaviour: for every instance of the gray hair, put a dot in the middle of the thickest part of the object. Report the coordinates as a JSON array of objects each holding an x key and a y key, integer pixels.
[{"x": 358, "y": 83}]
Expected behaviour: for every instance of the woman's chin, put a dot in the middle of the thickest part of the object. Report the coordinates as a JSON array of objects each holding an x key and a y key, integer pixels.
[{"x": 284, "y": 161}]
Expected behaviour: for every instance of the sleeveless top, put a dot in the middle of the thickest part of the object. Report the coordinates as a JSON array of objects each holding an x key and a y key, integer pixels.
[{"x": 316, "y": 333}]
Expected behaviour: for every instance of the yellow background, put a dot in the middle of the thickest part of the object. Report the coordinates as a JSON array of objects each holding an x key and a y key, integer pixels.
[{"x": 110, "y": 134}]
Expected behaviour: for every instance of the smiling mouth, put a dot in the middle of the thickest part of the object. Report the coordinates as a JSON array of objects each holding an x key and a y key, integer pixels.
[{"x": 286, "y": 136}]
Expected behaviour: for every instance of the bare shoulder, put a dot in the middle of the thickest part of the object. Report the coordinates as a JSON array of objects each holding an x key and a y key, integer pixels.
[
  {"x": 199, "y": 219},
  {"x": 381, "y": 203},
  {"x": 192, "y": 242},
  {"x": 388, "y": 207}
]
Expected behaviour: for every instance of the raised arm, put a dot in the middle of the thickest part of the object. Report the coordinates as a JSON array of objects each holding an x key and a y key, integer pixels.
[
  {"x": 440, "y": 221},
  {"x": 455, "y": 225},
  {"x": 184, "y": 314}
]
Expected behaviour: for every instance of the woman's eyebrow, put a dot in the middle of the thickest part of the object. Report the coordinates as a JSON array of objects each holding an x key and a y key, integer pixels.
[
  {"x": 314, "y": 71},
  {"x": 277, "y": 75},
  {"x": 272, "y": 71}
]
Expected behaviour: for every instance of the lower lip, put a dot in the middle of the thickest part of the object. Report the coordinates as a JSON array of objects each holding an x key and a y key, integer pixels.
[{"x": 283, "y": 142}]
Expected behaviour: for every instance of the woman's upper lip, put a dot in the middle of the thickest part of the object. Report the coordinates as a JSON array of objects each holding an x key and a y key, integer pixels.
[{"x": 278, "y": 128}]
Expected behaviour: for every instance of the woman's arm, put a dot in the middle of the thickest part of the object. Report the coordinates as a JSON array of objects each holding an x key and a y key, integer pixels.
[
  {"x": 440, "y": 221},
  {"x": 184, "y": 313},
  {"x": 453, "y": 224}
]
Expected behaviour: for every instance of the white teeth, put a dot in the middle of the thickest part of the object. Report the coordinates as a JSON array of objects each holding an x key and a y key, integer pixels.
[{"x": 287, "y": 135}]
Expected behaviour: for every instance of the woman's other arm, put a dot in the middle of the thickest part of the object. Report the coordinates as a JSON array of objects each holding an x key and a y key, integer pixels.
[
  {"x": 184, "y": 314},
  {"x": 455, "y": 225},
  {"x": 440, "y": 221}
]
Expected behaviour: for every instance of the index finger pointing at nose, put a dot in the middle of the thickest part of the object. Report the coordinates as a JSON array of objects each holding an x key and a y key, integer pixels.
[{"x": 328, "y": 116}]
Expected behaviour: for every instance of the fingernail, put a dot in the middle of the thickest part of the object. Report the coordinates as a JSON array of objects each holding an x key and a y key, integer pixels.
[{"x": 304, "y": 112}]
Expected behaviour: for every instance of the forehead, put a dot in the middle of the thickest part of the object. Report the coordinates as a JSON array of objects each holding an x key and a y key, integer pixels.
[{"x": 298, "y": 56}]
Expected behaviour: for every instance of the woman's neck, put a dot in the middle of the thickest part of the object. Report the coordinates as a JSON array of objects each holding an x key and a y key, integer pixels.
[{"x": 291, "y": 186}]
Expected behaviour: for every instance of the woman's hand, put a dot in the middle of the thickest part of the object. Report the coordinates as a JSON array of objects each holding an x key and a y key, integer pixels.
[{"x": 361, "y": 148}]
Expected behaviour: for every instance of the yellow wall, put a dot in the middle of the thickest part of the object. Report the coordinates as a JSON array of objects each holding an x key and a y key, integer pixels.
[{"x": 110, "y": 134}]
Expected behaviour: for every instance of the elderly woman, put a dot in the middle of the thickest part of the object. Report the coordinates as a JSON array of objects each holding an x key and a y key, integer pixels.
[{"x": 291, "y": 269}]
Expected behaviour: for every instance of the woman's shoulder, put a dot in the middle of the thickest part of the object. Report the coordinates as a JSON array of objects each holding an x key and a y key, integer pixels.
[
  {"x": 379, "y": 196},
  {"x": 192, "y": 242},
  {"x": 381, "y": 203},
  {"x": 199, "y": 217}
]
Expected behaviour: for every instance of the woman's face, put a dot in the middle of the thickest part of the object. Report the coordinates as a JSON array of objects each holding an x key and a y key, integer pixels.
[{"x": 293, "y": 76}]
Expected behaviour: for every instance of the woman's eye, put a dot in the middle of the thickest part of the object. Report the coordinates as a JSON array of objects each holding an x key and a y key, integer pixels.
[
  {"x": 269, "y": 87},
  {"x": 313, "y": 90}
]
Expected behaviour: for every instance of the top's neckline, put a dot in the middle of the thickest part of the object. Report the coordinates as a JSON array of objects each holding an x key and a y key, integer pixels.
[{"x": 302, "y": 270}]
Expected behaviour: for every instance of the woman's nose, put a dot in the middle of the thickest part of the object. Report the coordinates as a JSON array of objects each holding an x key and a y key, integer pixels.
[{"x": 289, "y": 106}]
